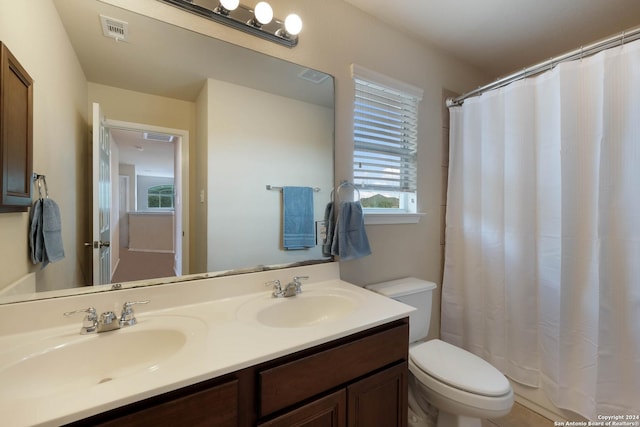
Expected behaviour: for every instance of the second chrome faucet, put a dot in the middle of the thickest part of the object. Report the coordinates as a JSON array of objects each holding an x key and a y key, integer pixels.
[{"x": 293, "y": 288}]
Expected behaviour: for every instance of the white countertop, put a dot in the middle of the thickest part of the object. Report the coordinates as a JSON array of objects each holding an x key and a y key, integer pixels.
[{"x": 224, "y": 342}]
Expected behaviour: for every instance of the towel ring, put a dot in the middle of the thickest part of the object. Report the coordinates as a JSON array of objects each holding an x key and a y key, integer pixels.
[
  {"x": 42, "y": 179},
  {"x": 347, "y": 184}
]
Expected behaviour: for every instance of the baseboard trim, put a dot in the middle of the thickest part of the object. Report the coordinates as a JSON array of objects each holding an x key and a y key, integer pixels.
[{"x": 157, "y": 251}]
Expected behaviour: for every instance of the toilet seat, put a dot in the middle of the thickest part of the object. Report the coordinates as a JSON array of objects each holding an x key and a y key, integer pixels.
[
  {"x": 457, "y": 401},
  {"x": 458, "y": 368}
]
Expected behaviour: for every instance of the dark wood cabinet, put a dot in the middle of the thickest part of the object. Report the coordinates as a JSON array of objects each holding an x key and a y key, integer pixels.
[
  {"x": 379, "y": 400},
  {"x": 328, "y": 411},
  {"x": 356, "y": 381},
  {"x": 16, "y": 133},
  {"x": 305, "y": 376}
]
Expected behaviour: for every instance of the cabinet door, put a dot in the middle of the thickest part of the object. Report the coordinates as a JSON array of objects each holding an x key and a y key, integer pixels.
[
  {"x": 16, "y": 133},
  {"x": 328, "y": 411},
  {"x": 379, "y": 400}
]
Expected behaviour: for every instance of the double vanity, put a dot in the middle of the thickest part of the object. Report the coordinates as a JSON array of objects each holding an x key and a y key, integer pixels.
[{"x": 214, "y": 351}]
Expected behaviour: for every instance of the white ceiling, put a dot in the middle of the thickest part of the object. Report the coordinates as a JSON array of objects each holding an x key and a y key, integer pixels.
[
  {"x": 503, "y": 36},
  {"x": 151, "y": 158}
]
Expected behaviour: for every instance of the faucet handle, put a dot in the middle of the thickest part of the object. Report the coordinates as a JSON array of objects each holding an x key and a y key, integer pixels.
[
  {"x": 127, "y": 318},
  {"x": 277, "y": 287},
  {"x": 296, "y": 281},
  {"x": 90, "y": 321}
]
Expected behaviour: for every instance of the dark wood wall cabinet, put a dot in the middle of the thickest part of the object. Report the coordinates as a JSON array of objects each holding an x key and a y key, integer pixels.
[
  {"x": 357, "y": 381},
  {"x": 16, "y": 133}
]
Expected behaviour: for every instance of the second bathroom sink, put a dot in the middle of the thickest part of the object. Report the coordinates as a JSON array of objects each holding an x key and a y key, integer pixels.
[{"x": 310, "y": 308}]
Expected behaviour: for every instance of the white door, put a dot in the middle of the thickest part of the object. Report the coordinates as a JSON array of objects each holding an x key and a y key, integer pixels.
[
  {"x": 177, "y": 201},
  {"x": 101, "y": 199}
]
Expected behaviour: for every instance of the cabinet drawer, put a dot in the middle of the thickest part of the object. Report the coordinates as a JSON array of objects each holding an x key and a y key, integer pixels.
[
  {"x": 292, "y": 382},
  {"x": 216, "y": 406}
]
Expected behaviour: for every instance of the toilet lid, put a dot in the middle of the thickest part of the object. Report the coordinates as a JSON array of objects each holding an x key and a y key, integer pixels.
[{"x": 459, "y": 368}]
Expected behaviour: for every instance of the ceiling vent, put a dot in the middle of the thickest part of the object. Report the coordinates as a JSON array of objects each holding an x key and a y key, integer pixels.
[
  {"x": 114, "y": 28},
  {"x": 161, "y": 137},
  {"x": 313, "y": 76}
]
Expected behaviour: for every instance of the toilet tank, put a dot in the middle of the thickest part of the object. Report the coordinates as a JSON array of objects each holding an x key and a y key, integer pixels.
[{"x": 414, "y": 292}]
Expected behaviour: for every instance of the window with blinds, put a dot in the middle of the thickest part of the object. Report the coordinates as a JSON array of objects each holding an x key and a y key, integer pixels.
[{"x": 385, "y": 133}]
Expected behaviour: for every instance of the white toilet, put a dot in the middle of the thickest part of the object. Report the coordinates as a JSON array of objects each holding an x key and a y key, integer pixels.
[{"x": 463, "y": 387}]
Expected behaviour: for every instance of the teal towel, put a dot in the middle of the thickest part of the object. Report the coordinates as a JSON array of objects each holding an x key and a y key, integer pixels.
[{"x": 298, "y": 231}]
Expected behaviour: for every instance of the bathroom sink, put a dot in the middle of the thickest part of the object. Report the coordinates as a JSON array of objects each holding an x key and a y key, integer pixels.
[
  {"x": 308, "y": 308},
  {"x": 70, "y": 361}
]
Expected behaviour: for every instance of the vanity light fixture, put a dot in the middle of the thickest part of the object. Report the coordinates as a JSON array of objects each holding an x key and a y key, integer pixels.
[{"x": 258, "y": 21}]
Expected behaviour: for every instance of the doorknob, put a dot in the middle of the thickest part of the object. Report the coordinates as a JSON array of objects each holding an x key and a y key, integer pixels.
[{"x": 97, "y": 244}]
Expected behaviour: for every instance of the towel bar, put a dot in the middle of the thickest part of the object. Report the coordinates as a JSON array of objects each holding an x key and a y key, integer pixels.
[{"x": 271, "y": 187}]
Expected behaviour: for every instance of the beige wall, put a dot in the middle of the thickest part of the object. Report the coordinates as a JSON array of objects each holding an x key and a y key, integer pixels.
[
  {"x": 151, "y": 232},
  {"x": 33, "y": 32},
  {"x": 279, "y": 132}
]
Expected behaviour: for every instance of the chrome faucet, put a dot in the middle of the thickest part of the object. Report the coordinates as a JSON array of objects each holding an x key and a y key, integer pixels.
[
  {"x": 293, "y": 288},
  {"x": 108, "y": 321},
  {"x": 94, "y": 324}
]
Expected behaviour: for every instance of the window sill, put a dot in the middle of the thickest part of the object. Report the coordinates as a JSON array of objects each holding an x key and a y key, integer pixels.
[{"x": 392, "y": 218}]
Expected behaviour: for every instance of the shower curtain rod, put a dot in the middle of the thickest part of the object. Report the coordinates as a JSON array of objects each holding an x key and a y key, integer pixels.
[{"x": 584, "y": 51}]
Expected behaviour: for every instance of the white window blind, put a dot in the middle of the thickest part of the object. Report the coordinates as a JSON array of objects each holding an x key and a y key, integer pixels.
[{"x": 385, "y": 133}]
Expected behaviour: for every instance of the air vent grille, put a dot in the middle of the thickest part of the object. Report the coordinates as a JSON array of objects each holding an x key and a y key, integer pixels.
[
  {"x": 162, "y": 137},
  {"x": 114, "y": 28},
  {"x": 313, "y": 76}
]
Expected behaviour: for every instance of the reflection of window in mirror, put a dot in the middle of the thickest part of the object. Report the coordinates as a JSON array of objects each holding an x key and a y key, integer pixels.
[
  {"x": 160, "y": 197},
  {"x": 385, "y": 142}
]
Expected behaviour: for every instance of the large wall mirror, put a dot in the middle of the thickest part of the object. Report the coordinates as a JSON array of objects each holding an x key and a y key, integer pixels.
[{"x": 190, "y": 195}]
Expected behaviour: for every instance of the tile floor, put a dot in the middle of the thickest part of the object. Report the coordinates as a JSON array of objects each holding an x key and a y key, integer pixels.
[{"x": 519, "y": 417}]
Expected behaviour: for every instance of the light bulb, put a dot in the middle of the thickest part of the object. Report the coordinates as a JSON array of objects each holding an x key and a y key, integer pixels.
[
  {"x": 230, "y": 4},
  {"x": 293, "y": 24},
  {"x": 263, "y": 12}
]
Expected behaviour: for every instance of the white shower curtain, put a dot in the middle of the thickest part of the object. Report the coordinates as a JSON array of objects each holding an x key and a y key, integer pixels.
[{"x": 542, "y": 260}]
